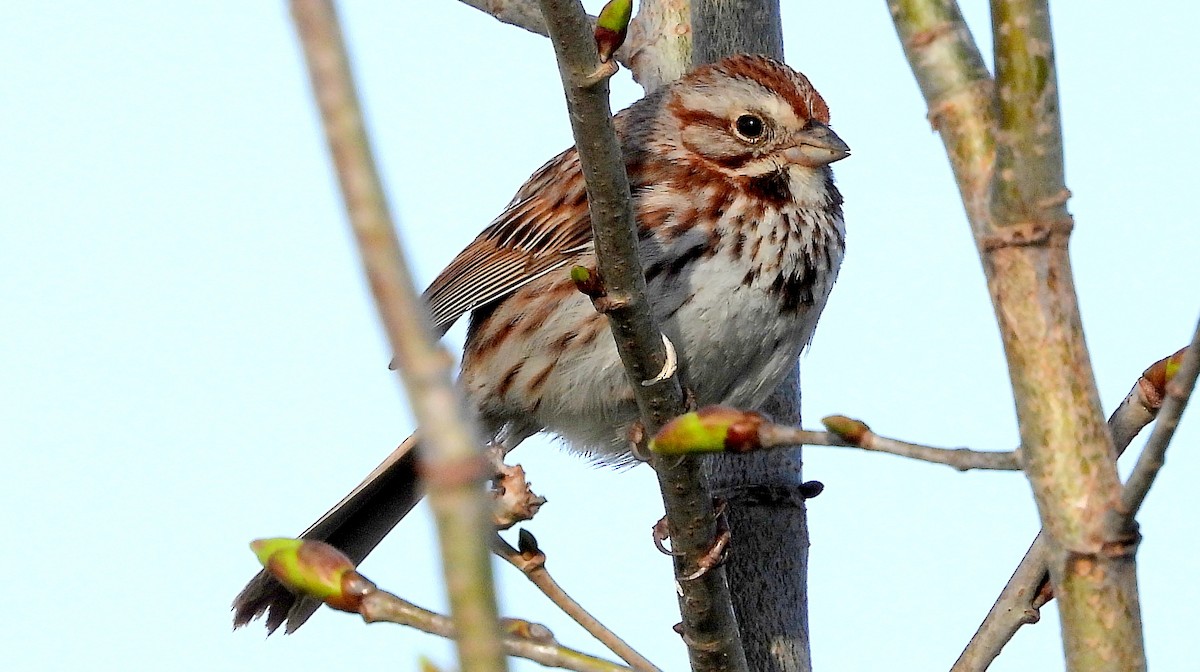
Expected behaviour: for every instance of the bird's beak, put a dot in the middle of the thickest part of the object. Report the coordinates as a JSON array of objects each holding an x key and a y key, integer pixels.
[{"x": 817, "y": 145}]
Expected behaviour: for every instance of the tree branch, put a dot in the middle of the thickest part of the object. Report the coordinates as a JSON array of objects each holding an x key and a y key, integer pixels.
[
  {"x": 449, "y": 447},
  {"x": 768, "y": 559},
  {"x": 1016, "y": 201},
  {"x": 958, "y": 92},
  {"x": 525, "y": 14},
  {"x": 657, "y": 51},
  {"x": 1068, "y": 451},
  {"x": 536, "y": 643},
  {"x": 714, "y": 43},
  {"x": 326, "y": 575},
  {"x": 850, "y": 433},
  {"x": 659, "y": 47},
  {"x": 532, "y": 563},
  {"x": 721, "y": 429},
  {"x": 1178, "y": 391},
  {"x": 709, "y": 628},
  {"x": 1027, "y": 590}
]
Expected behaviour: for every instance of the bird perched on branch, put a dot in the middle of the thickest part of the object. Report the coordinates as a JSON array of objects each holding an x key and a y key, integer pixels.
[{"x": 740, "y": 236}]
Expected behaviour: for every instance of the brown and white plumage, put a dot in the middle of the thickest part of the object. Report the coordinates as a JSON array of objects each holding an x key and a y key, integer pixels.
[{"x": 741, "y": 237}]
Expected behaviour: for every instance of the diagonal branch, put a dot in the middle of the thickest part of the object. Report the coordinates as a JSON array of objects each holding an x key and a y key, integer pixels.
[
  {"x": 657, "y": 51},
  {"x": 532, "y": 563},
  {"x": 709, "y": 628},
  {"x": 533, "y": 643},
  {"x": 1028, "y": 588},
  {"x": 525, "y": 14},
  {"x": 1178, "y": 391},
  {"x": 449, "y": 447}
]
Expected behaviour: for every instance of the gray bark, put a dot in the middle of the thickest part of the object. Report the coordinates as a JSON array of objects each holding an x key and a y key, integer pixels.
[
  {"x": 724, "y": 27},
  {"x": 767, "y": 567}
]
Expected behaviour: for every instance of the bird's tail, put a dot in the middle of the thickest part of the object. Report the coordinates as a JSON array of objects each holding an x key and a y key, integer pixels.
[{"x": 354, "y": 525}]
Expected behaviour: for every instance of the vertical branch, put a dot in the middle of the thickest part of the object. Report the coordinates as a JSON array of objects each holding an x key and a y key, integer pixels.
[
  {"x": 451, "y": 454},
  {"x": 1029, "y": 184},
  {"x": 1068, "y": 450},
  {"x": 958, "y": 91},
  {"x": 709, "y": 628},
  {"x": 768, "y": 560},
  {"x": 1005, "y": 145}
]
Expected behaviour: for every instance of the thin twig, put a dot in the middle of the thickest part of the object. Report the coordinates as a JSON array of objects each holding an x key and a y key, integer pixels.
[
  {"x": 533, "y": 566},
  {"x": 727, "y": 430},
  {"x": 450, "y": 451},
  {"x": 709, "y": 628},
  {"x": 1179, "y": 390},
  {"x": 538, "y": 645},
  {"x": 1139, "y": 408},
  {"x": 962, "y": 459},
  {"x": 1019, "y": 602}
]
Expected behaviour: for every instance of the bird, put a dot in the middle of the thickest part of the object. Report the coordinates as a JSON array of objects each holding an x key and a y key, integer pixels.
[{"x": 740, "y": 234}]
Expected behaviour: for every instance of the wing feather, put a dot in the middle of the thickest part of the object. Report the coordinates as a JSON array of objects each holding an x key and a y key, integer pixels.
[{"x": 544, "y": 227}]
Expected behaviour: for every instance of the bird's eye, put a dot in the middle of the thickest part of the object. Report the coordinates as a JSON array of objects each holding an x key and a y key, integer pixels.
[{"x": 749, "y": 126}]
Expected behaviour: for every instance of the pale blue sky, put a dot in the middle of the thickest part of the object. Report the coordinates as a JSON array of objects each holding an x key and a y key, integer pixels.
[{"x": 191, "y": 359}]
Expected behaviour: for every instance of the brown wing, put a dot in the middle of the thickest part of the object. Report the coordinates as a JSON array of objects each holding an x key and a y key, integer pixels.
[{"x": 544, "y": 227}]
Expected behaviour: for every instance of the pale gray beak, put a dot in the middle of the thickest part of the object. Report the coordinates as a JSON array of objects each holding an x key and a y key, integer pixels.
[{"x": 816, "y": 146}]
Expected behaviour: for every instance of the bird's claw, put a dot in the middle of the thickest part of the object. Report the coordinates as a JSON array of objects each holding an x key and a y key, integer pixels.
[
  {"x": 660, "y": 534},
  {"x": 718, "y": 552},
  {"x": 715, "y": 556}
]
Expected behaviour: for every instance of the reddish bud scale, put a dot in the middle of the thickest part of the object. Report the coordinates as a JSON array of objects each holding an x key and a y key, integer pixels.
[
  {"x": 607, "y": 43},
  {"x": 1162, "y": 371},
  {"x": 355, "y": 587},
  {"x": 612, "y": 25},
  {"x": 587, "y": 282},
  {"x": 742, "y": 435}
]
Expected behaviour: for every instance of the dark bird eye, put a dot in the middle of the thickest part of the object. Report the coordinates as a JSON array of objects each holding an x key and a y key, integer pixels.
[{"x": 749, "y": 126}]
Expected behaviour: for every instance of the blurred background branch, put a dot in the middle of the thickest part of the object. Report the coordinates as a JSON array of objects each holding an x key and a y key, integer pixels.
[{"x": 450, "y": 446}]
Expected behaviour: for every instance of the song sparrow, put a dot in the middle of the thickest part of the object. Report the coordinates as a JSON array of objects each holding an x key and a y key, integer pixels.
[{"x": 741, "y": 237}]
